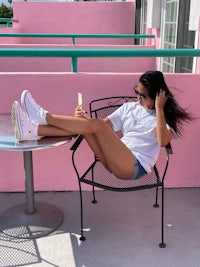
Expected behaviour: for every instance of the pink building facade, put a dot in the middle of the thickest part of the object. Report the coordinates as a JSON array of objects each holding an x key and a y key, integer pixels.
[{"x": 55, "y": 87}]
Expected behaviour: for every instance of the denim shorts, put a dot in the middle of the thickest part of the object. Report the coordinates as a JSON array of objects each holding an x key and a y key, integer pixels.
[{"x": 139, "y": 171}]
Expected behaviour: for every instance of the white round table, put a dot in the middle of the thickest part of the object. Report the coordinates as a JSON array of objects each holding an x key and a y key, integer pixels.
[{"x": 30, "y": 219}]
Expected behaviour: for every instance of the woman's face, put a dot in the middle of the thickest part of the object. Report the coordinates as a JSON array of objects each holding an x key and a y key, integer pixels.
[{"x": 143, "y": 97}]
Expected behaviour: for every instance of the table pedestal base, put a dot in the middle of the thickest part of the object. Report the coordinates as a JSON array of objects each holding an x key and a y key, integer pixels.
[{"x": 15, "y": 222}]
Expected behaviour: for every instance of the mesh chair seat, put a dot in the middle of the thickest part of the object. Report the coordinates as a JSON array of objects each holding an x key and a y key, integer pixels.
[{"x": 100, "y": 177}]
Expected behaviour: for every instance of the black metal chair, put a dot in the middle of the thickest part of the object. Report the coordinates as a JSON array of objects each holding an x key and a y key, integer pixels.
[{"x": 97, "y": 176}]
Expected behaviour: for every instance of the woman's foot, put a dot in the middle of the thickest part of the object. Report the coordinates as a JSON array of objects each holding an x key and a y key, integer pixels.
[
  {"x": 24, "y": 128},
  {"x": 32, "y": 109}
]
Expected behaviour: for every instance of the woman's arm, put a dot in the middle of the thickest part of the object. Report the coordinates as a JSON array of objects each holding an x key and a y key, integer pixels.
[{"x": 164, "y": 135}]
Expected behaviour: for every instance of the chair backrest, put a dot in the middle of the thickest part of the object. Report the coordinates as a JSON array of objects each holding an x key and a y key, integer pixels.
[{"x": 101, "y": 108}]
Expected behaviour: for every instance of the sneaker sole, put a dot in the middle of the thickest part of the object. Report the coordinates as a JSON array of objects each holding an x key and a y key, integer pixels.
[
  {"x": 23, "y": 96},
  {"x": 15, "y": 122}
]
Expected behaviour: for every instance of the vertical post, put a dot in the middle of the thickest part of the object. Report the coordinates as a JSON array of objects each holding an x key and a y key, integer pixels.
[
  {"x": 29, "y": 186},
  {"x": 74, "y": 64},
  {"x": 73, "y": 40}
]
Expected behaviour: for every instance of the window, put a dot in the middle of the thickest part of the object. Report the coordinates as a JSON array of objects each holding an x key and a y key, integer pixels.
[
  {"x": 141, "y": 19},
  {"x": 176, "y": 35},
  {"x": 143, "y": 25},
  {"x": 185, "y": 38},
  {"x": 169, "y": 35}
]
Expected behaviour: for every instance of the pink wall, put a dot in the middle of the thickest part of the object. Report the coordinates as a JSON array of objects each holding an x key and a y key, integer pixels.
[
  {"x": 58, "y": 93},
  {"x": 107, "y": 64},
  {"x": 75, "y": 17},
  {"x": 198, "y": 59},
  {"x": 9, "y": 40}
]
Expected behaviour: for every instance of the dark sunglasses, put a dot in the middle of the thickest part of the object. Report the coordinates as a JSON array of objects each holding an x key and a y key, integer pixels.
[{"x": 139, "y": 94}]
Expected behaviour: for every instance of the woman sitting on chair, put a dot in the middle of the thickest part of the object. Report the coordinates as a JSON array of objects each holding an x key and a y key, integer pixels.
[{"x": 147, "y": 125}]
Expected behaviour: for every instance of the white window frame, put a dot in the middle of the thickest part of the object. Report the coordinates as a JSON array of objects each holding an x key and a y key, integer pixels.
[{"x": 162, "y": 60}]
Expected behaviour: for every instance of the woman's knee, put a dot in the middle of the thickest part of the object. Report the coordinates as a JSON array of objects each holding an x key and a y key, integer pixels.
[{"x": 98, "y": 125}]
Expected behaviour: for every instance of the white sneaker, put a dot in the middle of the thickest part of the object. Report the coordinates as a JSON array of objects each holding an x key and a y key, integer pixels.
[
  {"x": 32, "y": 109},
  {"x": 24, "y": 129}
]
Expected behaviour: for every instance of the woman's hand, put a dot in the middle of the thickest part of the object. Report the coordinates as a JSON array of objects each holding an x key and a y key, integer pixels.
[
  {"x": 164, "y": 135},
  {"x": 80, "y": 113},
  {"x": 161, "y": 100}
]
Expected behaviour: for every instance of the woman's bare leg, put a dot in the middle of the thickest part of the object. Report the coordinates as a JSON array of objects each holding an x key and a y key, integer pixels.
[
  {"x": 113, "y": 153},
  {"x": 48, "y": 130},
  {"x": 102, "y": 140},
  {"x": 96, "y": 148}
]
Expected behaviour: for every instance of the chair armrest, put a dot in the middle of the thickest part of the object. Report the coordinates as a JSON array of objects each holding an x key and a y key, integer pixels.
[
  {"x": 169, "y": 149},
  {"x": 77, "y": 143}
]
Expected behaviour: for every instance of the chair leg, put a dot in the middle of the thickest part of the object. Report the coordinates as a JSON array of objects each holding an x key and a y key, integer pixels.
[
  {"x": 82, "y": 238},
  {"x": 94, "y": 201},
  {"x": 156, "y": 205},
  {"x": 162, "y": 244}
]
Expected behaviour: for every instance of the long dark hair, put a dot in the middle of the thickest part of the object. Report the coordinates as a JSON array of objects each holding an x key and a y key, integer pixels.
[{"x": 175, "y": 115}]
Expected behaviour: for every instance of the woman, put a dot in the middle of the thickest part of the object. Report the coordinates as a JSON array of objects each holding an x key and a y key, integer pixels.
[{"x": 147, "y": 125}]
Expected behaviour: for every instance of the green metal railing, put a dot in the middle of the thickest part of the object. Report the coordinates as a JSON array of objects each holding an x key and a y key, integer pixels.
[
  {"x": 75, "y": 53},
  {"x": 7, "y": 22},
  {"x": 75, "y": 36}
]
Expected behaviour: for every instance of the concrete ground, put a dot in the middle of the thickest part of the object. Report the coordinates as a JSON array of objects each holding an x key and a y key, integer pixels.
[{"x": 123, "y": 230}]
